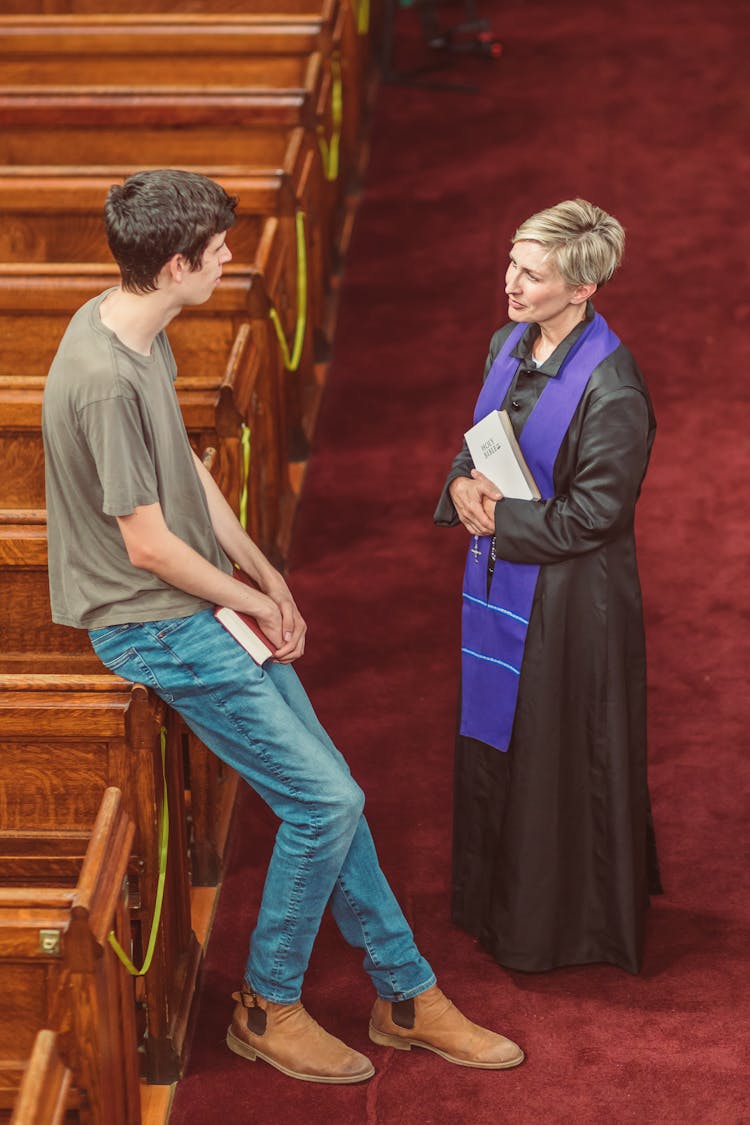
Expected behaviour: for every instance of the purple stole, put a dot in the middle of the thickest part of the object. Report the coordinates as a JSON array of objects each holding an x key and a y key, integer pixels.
[{"x": 494, "y": 629}]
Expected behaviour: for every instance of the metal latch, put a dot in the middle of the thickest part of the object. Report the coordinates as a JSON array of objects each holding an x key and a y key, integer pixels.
[{"x": 49, "y": 942}]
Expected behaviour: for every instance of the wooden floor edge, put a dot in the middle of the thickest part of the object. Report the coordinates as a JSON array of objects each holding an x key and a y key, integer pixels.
[{"x": 156, "y": 1103}]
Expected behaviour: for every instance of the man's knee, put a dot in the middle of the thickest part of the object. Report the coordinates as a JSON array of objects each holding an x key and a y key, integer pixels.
[{"x": 347, "y": 805}]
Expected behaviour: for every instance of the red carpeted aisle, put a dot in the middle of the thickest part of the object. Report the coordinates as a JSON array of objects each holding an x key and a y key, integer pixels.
[{"x": 642, "y": 108}]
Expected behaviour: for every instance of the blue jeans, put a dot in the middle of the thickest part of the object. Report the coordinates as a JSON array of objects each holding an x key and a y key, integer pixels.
[{"x": 262, "y": 723}]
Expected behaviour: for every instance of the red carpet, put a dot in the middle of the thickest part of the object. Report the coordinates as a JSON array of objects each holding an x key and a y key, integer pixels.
[{"x": 642, "y": 108}]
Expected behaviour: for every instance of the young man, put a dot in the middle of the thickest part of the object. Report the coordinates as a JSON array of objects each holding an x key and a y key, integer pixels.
[{"x": 140, "y": 543}]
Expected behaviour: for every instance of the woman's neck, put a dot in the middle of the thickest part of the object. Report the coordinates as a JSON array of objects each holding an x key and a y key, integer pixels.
[{"x": 552, "y": 333}]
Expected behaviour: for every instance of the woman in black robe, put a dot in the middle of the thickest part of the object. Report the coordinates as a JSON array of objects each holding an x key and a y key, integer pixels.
[{"x": 553, "y": 850}]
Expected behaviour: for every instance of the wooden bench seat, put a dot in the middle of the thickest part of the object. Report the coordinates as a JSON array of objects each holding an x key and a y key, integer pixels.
[
  {"x": 59, "y": 973},
  {"x": 63, "y": 741}
]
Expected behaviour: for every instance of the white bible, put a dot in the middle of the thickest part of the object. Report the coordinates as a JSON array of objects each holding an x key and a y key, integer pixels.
[{"x": 495, "y": 452}]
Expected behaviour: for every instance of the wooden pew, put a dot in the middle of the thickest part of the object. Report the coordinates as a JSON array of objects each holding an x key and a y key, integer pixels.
[
  {"x": 282, "y": 160},
  {"x": 43, "y": 1095},
  {"x": 27, "y": 634},
  {"x": 242, "y": 449},
  {"x": 168, "y": 49},
  {"x": 37, "y": 300},
  {"x": 75, "y": 109},
  {"x": 63, "y": 740},
  {"x": 28, "y": 638},
  {"x": 325, "y": 15},
  {"x": 365, "y": 16},
  {"x": 230, "y": 372},
  {"x": 45, "y": 219},
  {"x": 264, "y": 278},
  {"x": 31, "y": 643},
  {"x": 55, "y": 214},
  {"x": 212, "y": 794},
  {"x": 283, "y": 90},
  {"x": 58, "y": 972}
]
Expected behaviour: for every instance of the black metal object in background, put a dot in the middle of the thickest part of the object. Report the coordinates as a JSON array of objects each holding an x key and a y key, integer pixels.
[{"x": 471, "y": 34}]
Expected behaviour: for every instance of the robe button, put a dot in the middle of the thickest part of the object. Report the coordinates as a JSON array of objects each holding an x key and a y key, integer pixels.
[{"x": 515, "y": 404}]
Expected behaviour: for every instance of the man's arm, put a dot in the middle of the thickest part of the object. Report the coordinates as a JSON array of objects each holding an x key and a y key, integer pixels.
[
  {"x": 241, "y": 549},
  {"x": 153, "y": 547}
]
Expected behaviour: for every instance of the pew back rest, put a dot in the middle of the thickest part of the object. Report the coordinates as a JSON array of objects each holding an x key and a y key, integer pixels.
[
  {"x": 56, "y": 214},
  {"x": 48, "y": 133},
  {"x": 326, "y": 9},
  {"x": 292, "y": 75},
  {"x": 37, "y": 301}
]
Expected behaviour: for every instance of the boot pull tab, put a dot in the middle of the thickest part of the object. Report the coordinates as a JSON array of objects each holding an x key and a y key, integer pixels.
[
  {"x": 256, "y": 1016},
  {"x": 402, "y": 1013}
]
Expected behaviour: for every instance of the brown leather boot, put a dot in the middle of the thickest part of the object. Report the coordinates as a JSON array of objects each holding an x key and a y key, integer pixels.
[
  {"x": 430, "y": 1020},
  {"x": 287, "y": 1037}
]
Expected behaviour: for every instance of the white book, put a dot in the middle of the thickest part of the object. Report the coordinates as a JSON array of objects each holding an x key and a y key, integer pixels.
[
  {"x": 495, "y": 452},
  {"x": 246, "y": 630}
]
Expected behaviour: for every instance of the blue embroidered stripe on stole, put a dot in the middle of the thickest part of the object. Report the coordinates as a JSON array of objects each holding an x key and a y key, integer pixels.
[
  {"x": 495, "y": 609},
  {"x": 492, "y": 660}
]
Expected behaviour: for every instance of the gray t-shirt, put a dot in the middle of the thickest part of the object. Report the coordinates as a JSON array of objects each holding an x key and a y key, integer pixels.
[{"x": 114, "y": 439}]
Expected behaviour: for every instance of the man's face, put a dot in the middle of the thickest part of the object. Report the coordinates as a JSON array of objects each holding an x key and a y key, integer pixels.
[{"x": 198, "y": 285}]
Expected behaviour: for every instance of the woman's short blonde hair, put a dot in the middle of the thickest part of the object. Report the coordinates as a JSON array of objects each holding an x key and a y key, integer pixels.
[{"x": 584, "y": 242}]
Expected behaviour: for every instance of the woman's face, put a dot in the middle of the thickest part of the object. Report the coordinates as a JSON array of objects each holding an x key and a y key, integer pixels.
[{"x": 536, "y": 292}]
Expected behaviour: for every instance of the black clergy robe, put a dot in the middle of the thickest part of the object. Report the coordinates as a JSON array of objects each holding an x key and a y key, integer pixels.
[{"x": 553, "y": 846}]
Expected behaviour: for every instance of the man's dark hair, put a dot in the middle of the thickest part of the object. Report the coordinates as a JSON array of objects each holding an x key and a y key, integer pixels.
[{"x": 154, "y": 215}]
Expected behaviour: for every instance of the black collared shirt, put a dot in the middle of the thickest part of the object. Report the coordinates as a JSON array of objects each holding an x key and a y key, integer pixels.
[{"x": 530, "y": 379}]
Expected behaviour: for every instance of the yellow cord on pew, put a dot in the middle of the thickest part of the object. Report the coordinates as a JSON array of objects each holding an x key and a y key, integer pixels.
[
  {"x": 245, "y": 440},
  {"x": 330, "y": 149},
  {"x": 291, "y": 362},
  {"x": 363, "y": 17},
  {"x": 163, "y": 849}
]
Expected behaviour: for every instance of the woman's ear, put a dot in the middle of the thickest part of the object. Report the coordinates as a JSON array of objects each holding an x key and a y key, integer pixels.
[{"x": 582, "y": 293}]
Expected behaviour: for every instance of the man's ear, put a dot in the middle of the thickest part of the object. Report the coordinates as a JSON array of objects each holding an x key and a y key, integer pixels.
[{"x": 176, "y": 267}]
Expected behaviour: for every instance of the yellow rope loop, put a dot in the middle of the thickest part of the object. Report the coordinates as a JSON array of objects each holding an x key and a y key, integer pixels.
[
  {"x": 329, "y": 150},
  {"x": 291, "y": 362},
  {"x": 245, "y": 440},
  {"x": 163, "y": 850},
  {"x": 363, "y": 17}
]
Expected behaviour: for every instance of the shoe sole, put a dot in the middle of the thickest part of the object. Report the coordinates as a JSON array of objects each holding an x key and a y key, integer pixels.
[
  {"x": 241, "y": 1048},
  {"x": 384, "y": 1040}
]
